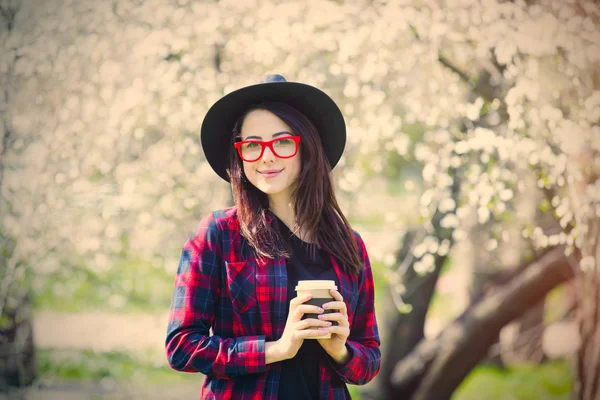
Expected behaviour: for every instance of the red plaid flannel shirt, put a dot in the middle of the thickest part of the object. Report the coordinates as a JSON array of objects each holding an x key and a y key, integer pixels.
[{"x": 221, "y": 286}]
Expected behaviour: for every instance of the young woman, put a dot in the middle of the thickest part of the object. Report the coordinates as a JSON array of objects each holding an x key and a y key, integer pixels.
[{"x": 235, "y": 316}]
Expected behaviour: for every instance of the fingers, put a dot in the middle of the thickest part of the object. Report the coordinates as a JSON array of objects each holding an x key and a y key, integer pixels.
[
  {"x": 298, "y": 308},
  {"x": 299, "y": 312},
  {"x": 340, "y": 330},
  {"x": 336, "y": 295},
  {"x": 307, "y": 333},
  {"x": 310, "y": 327},
  {"x": 336, "y": 305},
  {"x": 312, "y": 322},
  {"x": 340, "y": 318},
  {"x": 296, "y": 301}
]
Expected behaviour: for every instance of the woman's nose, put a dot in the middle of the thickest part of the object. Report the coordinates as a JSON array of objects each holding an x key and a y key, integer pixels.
[{"x": 268, "y": 155}]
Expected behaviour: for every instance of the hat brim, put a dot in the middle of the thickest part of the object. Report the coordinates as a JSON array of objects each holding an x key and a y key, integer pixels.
[{"x": 315, "y": 104}]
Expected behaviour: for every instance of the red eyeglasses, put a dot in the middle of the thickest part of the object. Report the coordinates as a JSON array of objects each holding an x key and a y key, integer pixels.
[{"x": 282, "y": 147}]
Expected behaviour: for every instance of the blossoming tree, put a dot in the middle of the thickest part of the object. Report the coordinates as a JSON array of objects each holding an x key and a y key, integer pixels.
[{"x": 533, "y": 71}]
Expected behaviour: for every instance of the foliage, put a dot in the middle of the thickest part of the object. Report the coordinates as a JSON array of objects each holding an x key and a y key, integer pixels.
[
  {"x": 107, "y": 163},
  {"x": 91, "y": 366},
  {"x": 531, "y": 121},
  {"x": 129, "y": 285},
  {"x": 108, "y": 159},
  {"x": 550, "y": 381}
]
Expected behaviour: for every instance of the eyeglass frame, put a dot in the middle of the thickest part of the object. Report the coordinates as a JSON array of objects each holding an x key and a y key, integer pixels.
[{"x": 238, "y": 145}]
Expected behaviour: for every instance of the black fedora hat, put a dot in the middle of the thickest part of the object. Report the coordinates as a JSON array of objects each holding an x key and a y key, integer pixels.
[{"x": 316, "y": 105}]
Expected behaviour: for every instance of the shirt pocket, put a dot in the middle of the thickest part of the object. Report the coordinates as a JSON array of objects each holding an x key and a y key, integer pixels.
[{"x": 241, "y": 280}]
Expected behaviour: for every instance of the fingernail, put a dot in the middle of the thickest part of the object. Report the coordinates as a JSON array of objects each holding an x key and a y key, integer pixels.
[
  {"x": 325, "y": 305},
  {"x": 321, "y": 310},
  {"x": 328, "y": 323},
  {"x": 321, "y": 316}
]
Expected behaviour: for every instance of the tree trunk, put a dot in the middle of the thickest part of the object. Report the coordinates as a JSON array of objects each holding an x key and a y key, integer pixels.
[
  {"x": 526, "y": 342},
  {"x": 406, "y": 330},
  {"x": 436, "y": 367},
  {"x": 483, "y": 268},
  {"x": 17, "y": 350},
  {"x": 587, "y": 384},
  {"x": 526, "y": 345}
]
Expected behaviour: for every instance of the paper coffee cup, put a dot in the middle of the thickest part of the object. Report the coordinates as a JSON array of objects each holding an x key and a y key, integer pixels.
[{"x": 320, "y": 295}]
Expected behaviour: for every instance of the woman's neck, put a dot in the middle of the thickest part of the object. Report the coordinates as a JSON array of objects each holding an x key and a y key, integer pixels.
[{"x": 284, "y": 210}]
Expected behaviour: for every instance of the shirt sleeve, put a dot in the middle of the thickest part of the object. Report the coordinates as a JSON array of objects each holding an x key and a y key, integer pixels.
[
  {"x": 189, "y": 346},
  {"x": 363, "y": 342}
]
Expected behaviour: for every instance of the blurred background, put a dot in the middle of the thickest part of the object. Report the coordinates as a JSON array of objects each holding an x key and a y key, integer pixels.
[{"x": 471, "y": 171}]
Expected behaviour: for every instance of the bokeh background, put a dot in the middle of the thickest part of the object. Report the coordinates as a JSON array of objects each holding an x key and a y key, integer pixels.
[{"x": 471, "y": 171}]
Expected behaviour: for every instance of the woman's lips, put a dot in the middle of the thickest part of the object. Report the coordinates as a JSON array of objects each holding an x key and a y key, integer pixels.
[{"x": 270, "y": 174}]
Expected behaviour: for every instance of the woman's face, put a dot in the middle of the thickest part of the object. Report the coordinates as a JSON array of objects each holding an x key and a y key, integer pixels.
[{"x": 270, "y": 174}]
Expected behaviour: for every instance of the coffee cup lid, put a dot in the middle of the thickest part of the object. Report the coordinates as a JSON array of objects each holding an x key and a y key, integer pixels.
[{"x": 312, "y": 285}]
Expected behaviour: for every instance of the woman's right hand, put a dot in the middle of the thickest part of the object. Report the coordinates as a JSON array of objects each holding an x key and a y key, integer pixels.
[{"x": 297, "y": 329}]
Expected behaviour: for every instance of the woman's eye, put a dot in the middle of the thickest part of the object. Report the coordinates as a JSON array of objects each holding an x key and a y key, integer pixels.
[
  {"x": 284, "y": 142},
  {"x": 252, "y": 145}
]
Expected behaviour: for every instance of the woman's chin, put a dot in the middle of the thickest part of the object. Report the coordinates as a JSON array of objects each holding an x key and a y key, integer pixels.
[{"x": 269, "y": 188}]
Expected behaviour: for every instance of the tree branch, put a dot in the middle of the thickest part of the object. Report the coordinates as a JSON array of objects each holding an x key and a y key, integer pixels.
[
  {"x": 481, "y": 87},
  {"x": 442, "y": 363}
]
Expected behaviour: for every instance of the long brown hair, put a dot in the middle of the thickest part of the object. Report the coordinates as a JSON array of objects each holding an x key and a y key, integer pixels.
[{"x": 315, "y": 205}]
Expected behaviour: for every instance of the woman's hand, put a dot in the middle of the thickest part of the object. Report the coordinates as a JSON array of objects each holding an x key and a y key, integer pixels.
[
  {"x": 336, "y": 346},
  {"x": 296, "y": 329}
]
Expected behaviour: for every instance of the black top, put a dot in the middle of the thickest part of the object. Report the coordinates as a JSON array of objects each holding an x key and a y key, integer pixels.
[{"x": 300, "y": 374}]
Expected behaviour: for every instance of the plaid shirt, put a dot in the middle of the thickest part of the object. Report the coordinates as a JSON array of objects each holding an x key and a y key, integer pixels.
[{"x": 221, "y": 285}]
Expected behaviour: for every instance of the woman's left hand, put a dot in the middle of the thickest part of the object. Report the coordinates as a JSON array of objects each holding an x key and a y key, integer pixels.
[{"x": 336, "y": 346}]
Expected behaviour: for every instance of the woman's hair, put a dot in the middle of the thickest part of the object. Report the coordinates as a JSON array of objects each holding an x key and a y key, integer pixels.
[{"x": 315, "y": 206}]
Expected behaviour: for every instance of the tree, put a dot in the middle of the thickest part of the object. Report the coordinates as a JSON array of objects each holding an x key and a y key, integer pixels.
[
  {"x": 17, "y": 356},
  {"x": 534, "y": 121}
]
